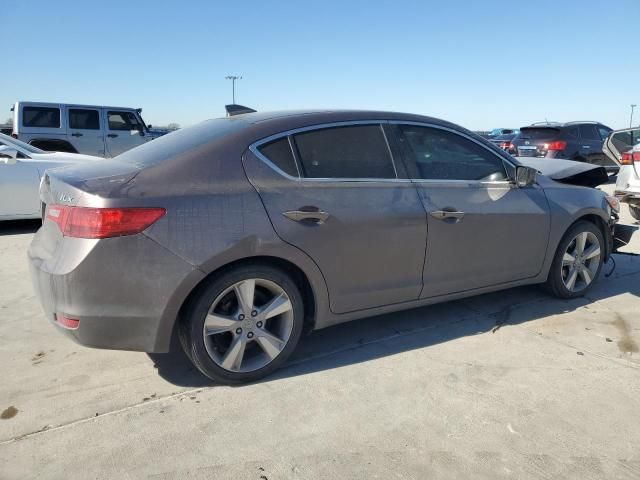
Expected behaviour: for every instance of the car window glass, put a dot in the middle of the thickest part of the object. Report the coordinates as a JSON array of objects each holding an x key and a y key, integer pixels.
[
  {"x": 589, "y": 132},
  {"x": 625, "y": 141},
  {"x": 443, "y": 155},
  {"x": 279, "y": 153},
  {"x": 122, "y": 121},
  {"x": 46, "y": 117},
  {"x": 572, "y": 132},
  {"x": 358, "y": 151},
  {"x": 84, "y": 119},
  {"x": 604, "y": 132}
]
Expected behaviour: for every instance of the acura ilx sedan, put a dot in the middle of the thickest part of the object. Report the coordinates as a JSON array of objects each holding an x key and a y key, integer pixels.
[{"x": 240, "y": 234}]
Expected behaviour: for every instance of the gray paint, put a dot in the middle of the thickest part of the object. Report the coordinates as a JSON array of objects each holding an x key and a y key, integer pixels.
[{"x": 224, "y": 205}]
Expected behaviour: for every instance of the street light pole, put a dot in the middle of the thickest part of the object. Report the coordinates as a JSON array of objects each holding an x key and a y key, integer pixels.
[
  {"x": 233, "y": 79},
  {"x": 633, "y": 105}
]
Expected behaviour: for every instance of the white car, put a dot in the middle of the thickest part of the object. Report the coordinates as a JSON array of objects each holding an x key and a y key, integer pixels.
[
  {"x": 21, "y": 167},
  {"x": 623, "y": 146}
]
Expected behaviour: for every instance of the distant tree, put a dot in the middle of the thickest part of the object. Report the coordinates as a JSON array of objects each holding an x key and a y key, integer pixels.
[{"x": 173, "y": 126}]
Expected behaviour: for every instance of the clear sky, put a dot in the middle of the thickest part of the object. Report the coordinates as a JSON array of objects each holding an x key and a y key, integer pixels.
[{"x": 482, "y": 64}]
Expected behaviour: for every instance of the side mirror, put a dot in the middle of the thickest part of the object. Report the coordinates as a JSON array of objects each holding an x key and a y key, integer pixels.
[{"x": 525, "y": 176}]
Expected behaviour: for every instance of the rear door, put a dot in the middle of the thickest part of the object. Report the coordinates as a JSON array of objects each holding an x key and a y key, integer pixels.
[
  {"x": 591, "y": 144},
  {"x": 337, "y": 193},
  {"x": 483, "y": 230},
  {"x": 124, "y": 131},
  {"x": 18, "y": 188},
  {"x": 85, "y": 130}
]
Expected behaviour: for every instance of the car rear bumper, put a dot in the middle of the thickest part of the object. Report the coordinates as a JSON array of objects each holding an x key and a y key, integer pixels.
[{"x": 122, "y": 290}]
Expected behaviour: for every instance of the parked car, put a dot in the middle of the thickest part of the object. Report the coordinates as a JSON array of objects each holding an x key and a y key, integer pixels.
[
  {"x": 623, "y": 147},
  {"x": 7, "y": 129},
  {"x": 89, "y": 129},
  {"x": 242, "y": 233},
  {"x": 21, "y": 167},
  {"x": 580, "y": 141},
  {"x": 504, "y": 141}
]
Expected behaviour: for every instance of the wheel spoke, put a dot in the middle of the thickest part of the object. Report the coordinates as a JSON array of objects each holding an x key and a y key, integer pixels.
[
  {"x": 586, "y": 275},
  {"x": 215, "y": 323},
  {"x": 277, "y": 306},
  {"x": 271, "y": 344},
  {"x": 244, "y": 293},
  {"x": 571, "y": 278},
  {"x": 592, "y": 251},
  {"x": 232, "y": 359},
  {"x": 581, "y": 241},
  {"x": 568, "y": 259}
]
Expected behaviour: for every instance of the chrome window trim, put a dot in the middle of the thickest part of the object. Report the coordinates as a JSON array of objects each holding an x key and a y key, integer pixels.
[
  {"x": 254, "y": 148},
  {"x": 496, "y": 183}
]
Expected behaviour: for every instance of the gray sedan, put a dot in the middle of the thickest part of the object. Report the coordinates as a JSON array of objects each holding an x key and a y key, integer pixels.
[{"x": 240, "y": 234}]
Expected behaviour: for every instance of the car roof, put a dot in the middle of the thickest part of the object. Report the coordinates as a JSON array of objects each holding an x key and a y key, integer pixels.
[
  {"x": 561, "y": 124},
  {"x": 72, "y": 105}
]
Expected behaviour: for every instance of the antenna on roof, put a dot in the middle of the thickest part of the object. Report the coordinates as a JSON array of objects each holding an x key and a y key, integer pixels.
[{"x": 234, "y": 109}]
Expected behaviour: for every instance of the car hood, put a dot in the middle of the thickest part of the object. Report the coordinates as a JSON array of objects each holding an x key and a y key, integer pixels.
[
  {"x": 63, "y": 158},
  {"x": 568, "y": 171}
]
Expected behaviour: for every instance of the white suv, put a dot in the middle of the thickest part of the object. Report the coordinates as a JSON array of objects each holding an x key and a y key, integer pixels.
[
  {"x": 88, "y": 129},
  {"x": 623, "y": 146}
]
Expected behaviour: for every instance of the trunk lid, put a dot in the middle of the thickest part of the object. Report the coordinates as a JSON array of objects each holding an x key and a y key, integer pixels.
[{"x": 530, "y": 142}]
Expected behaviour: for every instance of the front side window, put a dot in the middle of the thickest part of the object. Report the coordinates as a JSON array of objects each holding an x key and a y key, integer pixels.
[
  {"x": 43, "y": 117},
  {"x": 123, "y": 121},
  {"x": 356, "y": 151},
  {"x": 604, "y": 132},
  {"x": 443, "y": 155},
  {"x": 83, "y": 119}
]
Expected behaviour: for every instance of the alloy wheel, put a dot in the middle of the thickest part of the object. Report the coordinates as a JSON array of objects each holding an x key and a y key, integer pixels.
[
  {"x": 248, "y": 325},
  {"x": 581, "y": 261}
]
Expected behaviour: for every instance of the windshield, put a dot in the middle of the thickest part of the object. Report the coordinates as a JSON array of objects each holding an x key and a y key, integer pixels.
[{"x": 12, "y": 142}]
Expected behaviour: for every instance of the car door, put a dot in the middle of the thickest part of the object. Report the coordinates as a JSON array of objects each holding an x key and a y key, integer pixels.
[
  {"x": 482, "y": 229},
  {"x": 338, "y": 194},
  {"x": 124, "y": 131},
  {"x": 84, "y": 130},
  {"x": 591, "y": 144},
  {"x": 19, "y": 181}
]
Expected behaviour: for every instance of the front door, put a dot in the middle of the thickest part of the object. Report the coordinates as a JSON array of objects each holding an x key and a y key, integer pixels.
[
  {"x": 85, "y": 131},
  {"x": 124, "y": 131},
  {"x": 19, "y": 180},
  {"x": 344, "y": 201},
  {"x": 482, "y": 229}
]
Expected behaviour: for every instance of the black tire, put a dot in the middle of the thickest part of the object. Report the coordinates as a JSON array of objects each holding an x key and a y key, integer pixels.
[
  {"x": 555, "y": 284},
  {"x": 635, "y": 211},
  {"x": 190, "y": 328}
]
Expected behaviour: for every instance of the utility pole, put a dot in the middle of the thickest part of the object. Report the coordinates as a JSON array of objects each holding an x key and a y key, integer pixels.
[
  {"x": 233, "y": 79},
  {"x": 633, "y": 105}
]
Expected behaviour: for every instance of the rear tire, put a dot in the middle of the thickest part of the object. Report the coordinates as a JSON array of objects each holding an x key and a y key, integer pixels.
[
  {"x": 577, "y": 261},
  {"x": 243, "y": 324},
  {"x": 635, "y": 211}
]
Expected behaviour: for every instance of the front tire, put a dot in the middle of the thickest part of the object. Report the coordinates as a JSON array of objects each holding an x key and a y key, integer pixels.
[
  {"x": 577, "y": 262},
  {"x": 243, "y": 324},
  {"x": 635, "y": 211}
]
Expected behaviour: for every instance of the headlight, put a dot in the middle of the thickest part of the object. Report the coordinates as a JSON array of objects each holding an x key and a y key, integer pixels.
[{"x": 614, "y": 203}]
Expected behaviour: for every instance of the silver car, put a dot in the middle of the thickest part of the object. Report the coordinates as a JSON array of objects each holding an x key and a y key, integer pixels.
[
  {"x": 240, "y": 234},
  {"x": 623, "y": 147}
]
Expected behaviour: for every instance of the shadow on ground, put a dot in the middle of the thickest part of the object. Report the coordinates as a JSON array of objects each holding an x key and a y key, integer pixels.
[
  {"x": 19, "y": 227},
  {"x": 368, "y": 339}
]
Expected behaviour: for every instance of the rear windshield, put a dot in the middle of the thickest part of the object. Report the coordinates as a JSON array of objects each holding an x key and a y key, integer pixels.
[
  {"x": 538, "y": 133},
  {"x": 181, "y": 141}
]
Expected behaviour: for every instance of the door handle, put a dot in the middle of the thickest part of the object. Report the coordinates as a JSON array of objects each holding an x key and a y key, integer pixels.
[
  {"x": 445, "y": 214},
  {"x": 112, "y": 135},
  {"x": 317, "y": 215},
  {"x": 76, "y": 134}
]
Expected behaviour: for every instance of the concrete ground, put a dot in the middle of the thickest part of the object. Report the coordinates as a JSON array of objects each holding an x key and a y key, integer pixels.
[{"x": 507, "y": 385}]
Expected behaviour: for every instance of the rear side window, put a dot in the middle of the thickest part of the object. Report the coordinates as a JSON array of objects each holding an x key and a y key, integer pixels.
[
  {"x": 589, "y": 132},
  {"x": 84, "y": 119},
  {"x": 123, "y": 121},
  {"x": 358, "y": 151},
  {"x": 279, "y": 153},
  {"x": 572, "y": 132},
  {"x": 44, "y": 117},
  {"x": 444, "y": 155},
  {"x": 604, "y": 132}
]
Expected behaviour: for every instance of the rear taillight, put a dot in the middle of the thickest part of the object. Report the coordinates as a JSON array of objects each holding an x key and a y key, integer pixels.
[
  {"x": 67, "y": 322},
  {"x": 629, "y": 158},
  {"x": 557, "y": 145},
  {"x": 82, "y": 222}
]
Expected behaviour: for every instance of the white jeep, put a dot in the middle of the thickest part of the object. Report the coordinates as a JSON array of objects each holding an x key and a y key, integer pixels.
[{"x": 87, "y": 129}]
